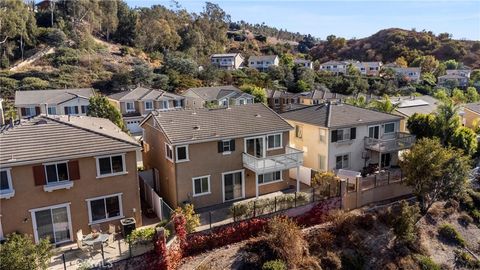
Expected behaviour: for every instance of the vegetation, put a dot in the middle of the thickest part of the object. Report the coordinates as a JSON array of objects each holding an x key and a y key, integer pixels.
[
  {"x": 404, "y": 222},
  {"x": 448, "y": 233},
  {"x": 192, "y": 219},
  {"x": 100, "y": 106},
  {"x": 427, "y": 263},
  {"x": 274, "y": 265},
  {"x": 19, "y": 252}
]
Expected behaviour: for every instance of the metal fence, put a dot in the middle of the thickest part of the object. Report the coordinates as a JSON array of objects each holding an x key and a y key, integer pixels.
[{"x": 375, "y": 180}]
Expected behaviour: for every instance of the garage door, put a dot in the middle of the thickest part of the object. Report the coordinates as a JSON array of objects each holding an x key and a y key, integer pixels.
[{"x": 134, "y": 126}]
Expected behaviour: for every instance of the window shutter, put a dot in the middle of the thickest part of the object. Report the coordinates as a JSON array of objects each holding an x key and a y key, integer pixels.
[
  {"x": 37, "y": 110},
  {"x": 23, "y": 111},
  {"x": 353, "y": 133},
  {"x": 220, "y": 147},
  {"x": 39, "y": 175},
  {"x": 334, "y": 135},
  {"x": 76, "y": 109},
  {"x": 83, "y": 109},
  {"x": 232, "y": 145},
  {"x": 66, "y": 110},
  {"x": 73, "y": 170}
]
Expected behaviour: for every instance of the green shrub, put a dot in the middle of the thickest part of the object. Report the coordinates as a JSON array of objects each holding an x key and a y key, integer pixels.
[
  {"x": 426, "y": 263},
  {"x": 193, "y": 219},
  {"x": 141, "y": 236},
  {"x": 20, "y": 252},
  {"x": 404, "y": 222},
  {"x": 464, "y": 259},
  {"x": 274, "y": 265},
  {"x": 465, "y": 219},
  {"x": 448, "y": 233},
  {"x": 65, "y": 56}
]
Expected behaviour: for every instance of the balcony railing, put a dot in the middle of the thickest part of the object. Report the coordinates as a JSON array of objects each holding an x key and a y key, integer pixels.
[
  {"x": 291, "y": 159},
  {"x": 400, "y": 141}
]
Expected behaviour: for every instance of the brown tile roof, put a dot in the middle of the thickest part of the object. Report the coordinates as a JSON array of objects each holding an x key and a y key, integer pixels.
[
  {"x": 199, "y": 125},
  {"x": 338, "y": 115},
  {"x": 49, "y": 138},
  {"x": 142, "y": 93},
  {"x": 474, "y": 107},
  {"x": 52, "y": 96}
]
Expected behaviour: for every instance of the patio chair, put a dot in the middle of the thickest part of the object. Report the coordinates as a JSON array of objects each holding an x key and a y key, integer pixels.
[
  {"x": 96, "y": 249},
  {"x": 83, "y": 248},
  {"x": 111, "y": 236},
  {"x": 96, "y": 228}
]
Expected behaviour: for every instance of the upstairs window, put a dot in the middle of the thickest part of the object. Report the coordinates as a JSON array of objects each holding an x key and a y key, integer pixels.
[
  {"x": 56, "y": 172},
  {"x": 226, "y": 146},
  {"x": 168, "y": 152},
  {"x": 130, "y": 106},
  {"x": 84, "y": 109},
  {"x": 389, "y": 128},
  {"x": 177, "y": 103},
  {"x": 274, "y": 141},
  {"x": 164, "y": 104},
  {"x": 110, "y": 165},
  {"x": 6, "y": 188},
  {"x": 148, "y": 105},
  {"x": 298, "y": 131},
  {"x": 182, "y": 153},
  {"x": 71, "y": 110},
  {"x": 52, "y": 110},
  {"x": 346, "y": 134}
]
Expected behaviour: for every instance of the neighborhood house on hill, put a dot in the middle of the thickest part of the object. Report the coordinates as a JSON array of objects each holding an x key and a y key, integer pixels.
[
  {"x": 303, "y": 63},
  {"x": 334, "y": 67},
  {"x": 211, "y": 156},
  {"x": 460, "y": 72},
  {"x": 216, "y": 96},
  {"x": 137, "y": 103},
  {"x": 53, "y": 102},
  {"x": 229, "y": 61},
  {"x": 263, "y": 62},
  {"x": 338, "y": 136},
  {"x": 471, "y": 115},
  {"x": 368, "y": 68},
  {"x": 408, "y": 73},
  {"x": 63, "y": 174},
  {"x": 453, "y": 79},
  {"x": 408, "y": 105},
  {"x": 318, "y": 96},
  {"x": 281, "y": 101}
]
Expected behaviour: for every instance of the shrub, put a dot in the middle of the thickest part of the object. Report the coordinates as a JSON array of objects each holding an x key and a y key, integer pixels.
[
  {"x": 193, "y": 219},
  {"x": 426, "y": 263},
  {"x": 274, "y": 265},
  {"x": 353, "y": 261},
  {"x": 52, "y": 36},
  {"x": 20, "y": 252},
  {"x": 320, "y": 240},
  {"x": 331, "y": 261},
  {"x": 142, "y": 236},
  {"x": 404, "y": 222},
  {"x": 65, "y": 56},
  {"x": 463, "y": 259},
  {"x": 465, "y": 220},
  {"x": 366, "y": 221},
  {"x": 33, "y": 83},
  {"x": 448, "y": 233}
]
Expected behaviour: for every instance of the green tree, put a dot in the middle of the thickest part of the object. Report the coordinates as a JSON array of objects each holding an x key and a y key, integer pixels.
[
  {"x": 458, "y": 97},
  {"x": 447, "y": 121},
  {"x": 360, "y": 101},
  {"x": 401, "y": 62},
  {"x": 33, "y": 83},
  {"x": 258, "y": 92},
  {"x": 404, "y": 222},
  {"x": 192, "y": 219},
  {"x": 287, "y": 60},
  {"x": 472, "y": 95},
  {"x": 451, "y": 64},
  {"x": 127, "y": 23},
  {"x": 441, "y": 94},
  {"x": 19, "y": 252},
  {"x": 100, "y": 106},
  {"x": 427, "y": 63},
  {"x": 434, "y": 172},
  {"x": 422, "y": 125},
  {"x": 465, "y": 139},
  {"x": 384, "y": 105},
  {"x": 352, "y": 70}
]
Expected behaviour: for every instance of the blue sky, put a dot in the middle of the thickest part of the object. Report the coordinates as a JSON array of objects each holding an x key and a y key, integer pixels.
[{"x": 349, "y": 18}]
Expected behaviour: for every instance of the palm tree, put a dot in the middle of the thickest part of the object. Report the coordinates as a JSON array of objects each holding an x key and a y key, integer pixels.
[
  {"x": 447, "y": 121},
  {"x": 360, "y": 101},
  {"x": 384, "y": 105}
]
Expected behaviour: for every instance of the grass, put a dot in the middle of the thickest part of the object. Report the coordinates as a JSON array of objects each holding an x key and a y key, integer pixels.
[{"x": 450, "y": 234}]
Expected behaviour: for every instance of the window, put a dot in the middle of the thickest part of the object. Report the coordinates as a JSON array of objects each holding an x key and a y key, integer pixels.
[
  {"x": 182, "y": 153},
  {"x": 105, "y": 208},
  {"x": 70, "y": 110},
  {"x": 241, "y": 101},
  {"x": 374, "y": 132},
  {"x": 148, "y": 105},
  {"x": 276, "y": 101},
  {"x": 226, "y": 146},
  {"x": 30, "y": 111},
  {"x": 269, "y": 177},
  {"x": 322, "y": 135},
  {"x": 84, "y": 109},
  {"x": 274, "y": 141},
  {"x": 298, "y": 131},
  {"x": 345, "y": 134},
  {"x": 52, "y": 110},
  {"x": 130, "y": 106},
  {"x": 342, "y": 162},
  {"x": 168, "y": 152},
  {"x": 389, "y": 128},
  {"x": 177, "y": 103},
  {"x": 6, "y": 188},
  {"x": 56, "y": 172},
  {"x": 164, "y": 104},
  {"x": 201, "y": 185},
  {"x": 110, "y": 165}
]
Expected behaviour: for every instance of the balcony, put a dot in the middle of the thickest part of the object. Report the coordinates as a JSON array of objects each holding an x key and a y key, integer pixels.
[
  {"x": 399, "y": 141},
  {"x": 291, "y": 159}
]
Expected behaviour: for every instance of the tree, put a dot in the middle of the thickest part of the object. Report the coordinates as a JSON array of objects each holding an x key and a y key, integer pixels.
[
  {"x": 352, "y": 70},
  {"x": 451, "y": 64},
  {"x": 258, "y": 92},
  {"x": 127, "y": 23},
  {"x": 466, "y": 139},
  {"x": 472, "y": 95},
  {"x": 447, "y": 121},
  {"x": 441, "y": 94},
  {"x": 434, "y": 172},
  {"x": 404, "y": 222},
  {"x": 360, "y": 101},
  {"x": 287, "y": 60},
  {"x": 384, "y": 105},
  {"x": 192, "y": 219},
  {"x": 427, "y": 63},
  {"x": 19, "y": 252},
  {"x": 142, "y": 74},
  {"x": 422, "y": 125},
  {"x": 401, "y": 62},
  {"x": 458, "y": 97},
  {"x": 100, "y": 106}
]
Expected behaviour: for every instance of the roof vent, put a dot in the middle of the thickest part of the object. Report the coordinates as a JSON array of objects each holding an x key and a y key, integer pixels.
[
  {"x": 41, "y": 122},
  {"x": 196, "y": 127},
  {"x": 258, "y": 115},
  {"x": 100, "y": 127}
]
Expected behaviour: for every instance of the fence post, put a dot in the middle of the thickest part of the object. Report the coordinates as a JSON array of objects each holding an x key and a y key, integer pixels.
[
  {"x": 210, "y": 218},
  {"x": 103, "y": 256},
  {"x": 254, "y": 207},
  {"x": 295, "y": 202},
  {"x": 313, "y": 194},
  {"x": 119, "y": 248},
  {"x": 129, "y": 249},
  {"x": 388, "y": 177},
  {"x": 275, "y": 209},
  {"x": 64, "y": 262},
  {"x": 375, "y": 180},
  {"x": 234, "y": 214}
]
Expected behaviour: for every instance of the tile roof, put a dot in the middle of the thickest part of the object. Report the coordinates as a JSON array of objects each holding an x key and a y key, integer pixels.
[
  {"x": 218, "y": 55},
  {"x": 200, "y": 125},
  {"x": 51, "y": 96},
  {"x": 49, "y": 138},
  {"x": 452, "y": 76},
  {"x": 338, "y": 115},
  {"x": 262, "y": 58},
  {"x": 420, "y": 104},
  {"x": 142, "y": 93},
  {"x": 474, "y": 107},
  {"x": 216, "y": 92}
]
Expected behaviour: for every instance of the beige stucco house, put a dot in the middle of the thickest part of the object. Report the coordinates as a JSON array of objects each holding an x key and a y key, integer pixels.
[
  {"x": 211, "y": 156},
  {"x": 62, "y": 174},
  {"x": 406, "y": 106},
  {"x": 228, "y": 61},
  {"x": 263, "y": 62},
  {"x": 471, "y": 115},
  {"x": 216, "y": 96}
]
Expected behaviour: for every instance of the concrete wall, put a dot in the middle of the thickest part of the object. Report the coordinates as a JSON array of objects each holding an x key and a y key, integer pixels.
[
  {"x": 470, "y": 117},
  {"x": 356, "y": 199}
]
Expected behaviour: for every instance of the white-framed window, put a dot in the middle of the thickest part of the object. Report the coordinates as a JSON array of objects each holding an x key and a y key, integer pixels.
[
  {"x": 110, "y": 165},
  {"x": 6, "y": 187},
  {"x": 56, "y": 172},
  {"x": 177, "y": 103},
  {"x": 201, "y": 185},
  {"x": 274, "y": 141},
  {"x": 168, "y": 151},
  {"x": 226, "y": 147},
  {"x": 389, "y": 128},
  {"x": 84, "y": 109},
  {"x": 30, "y": 111},
  {"x": 181, "y": 153},
  {"x": 343, "y": 134},
  {"x": 71, "y": 110},
  {"x": 105, "y": 208},
  {"x": 52, "y": 110},
  {"x": 241, "y": 101},
  {"x": 269, "y": 177},
  {"x": 148, "y": 105},
  {"x": 322, "y": 135},
  {"x": 342, "y": 161},
  {"x": 164, "y": 104},
  {"x": 130, "y": 106},
  {"x": 298, "y": 131}
]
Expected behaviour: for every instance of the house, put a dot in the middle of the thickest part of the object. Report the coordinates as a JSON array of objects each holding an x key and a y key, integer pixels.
[
  {"x": 62, "y": 174},
  {"x": 229, "y": 61},
  {"x": 281, "y": 100},
  {"x": 53, "y": 102},
  {"x": 408, "y": 105},
  {"x": 471, "y": 115},
  {"x": 368, "y": 68},
  {"x": 318, "y": 96},
  {"x": 215, "y": 96},
  {"x": 137, "y": 103},
  {"x": 334, "y": 67},
  {"x": 211, "y": 156},
  {"x": 453, "y": 79},
  {"x": 303, "y": 63},
  {"x": 460, "y": 72},
  {"x": 263, "y": 62},
  {"x": 337, "y": 136},
  {"x": 408, "y": 73}
]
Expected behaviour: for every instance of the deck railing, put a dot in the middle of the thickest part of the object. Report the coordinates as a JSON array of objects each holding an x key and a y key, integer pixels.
[
  {"x": 400, "y": 141},
  {"x": 291, "y": 159}
]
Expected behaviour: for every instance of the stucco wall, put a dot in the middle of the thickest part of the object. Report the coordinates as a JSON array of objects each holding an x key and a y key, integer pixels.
[{"x": 470, "y": 117}]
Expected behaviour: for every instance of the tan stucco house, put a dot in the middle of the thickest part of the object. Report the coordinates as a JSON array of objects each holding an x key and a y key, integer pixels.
[
  {"x": 62, "y": 174},
  {"x": 471, "y": 114},
  {"x": 216, "y": 96},
  {"x": 406, "y": 106},
  {"x": 211, "y": 156},
  {"x": 228, "y": 61},
  {"x": 135, "y": 104}
]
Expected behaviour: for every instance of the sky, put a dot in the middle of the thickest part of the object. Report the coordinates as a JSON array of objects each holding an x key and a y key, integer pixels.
[{"x": 351, "y": 18}]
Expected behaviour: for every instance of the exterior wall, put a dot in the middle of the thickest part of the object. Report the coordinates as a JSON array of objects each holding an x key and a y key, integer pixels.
[
  {"x": 263, "y": 65},
  {"x": 229, "y": 63},
  {"x": 356, "y": 199},
  {"x": 15, "y": 211},
  {"x": 462, "y": 82},
  {"x": 60, "y": 108},
  {"x": 470, "y": 117}
]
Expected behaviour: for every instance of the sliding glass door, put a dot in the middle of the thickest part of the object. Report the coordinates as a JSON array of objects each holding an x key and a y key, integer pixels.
[
  {"x": 53, "y": 223},
  {"x": 233, "y": 185},
  {"x": 255, "y": 147}
]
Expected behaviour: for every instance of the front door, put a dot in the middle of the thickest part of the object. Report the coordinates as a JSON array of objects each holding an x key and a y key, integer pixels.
[
  {"x": 53, "y": 223},
  {"x": 255, "y": 147},
  {"x": 374, "y": 132},
  {"x": 233, "y": 186},
  {"x": 386, "y": 160}
]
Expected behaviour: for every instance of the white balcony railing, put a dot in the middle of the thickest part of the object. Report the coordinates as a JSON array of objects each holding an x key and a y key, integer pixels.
[
  {"x": 291, "y": 159},
  {"x": 400, "y": 141}
]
